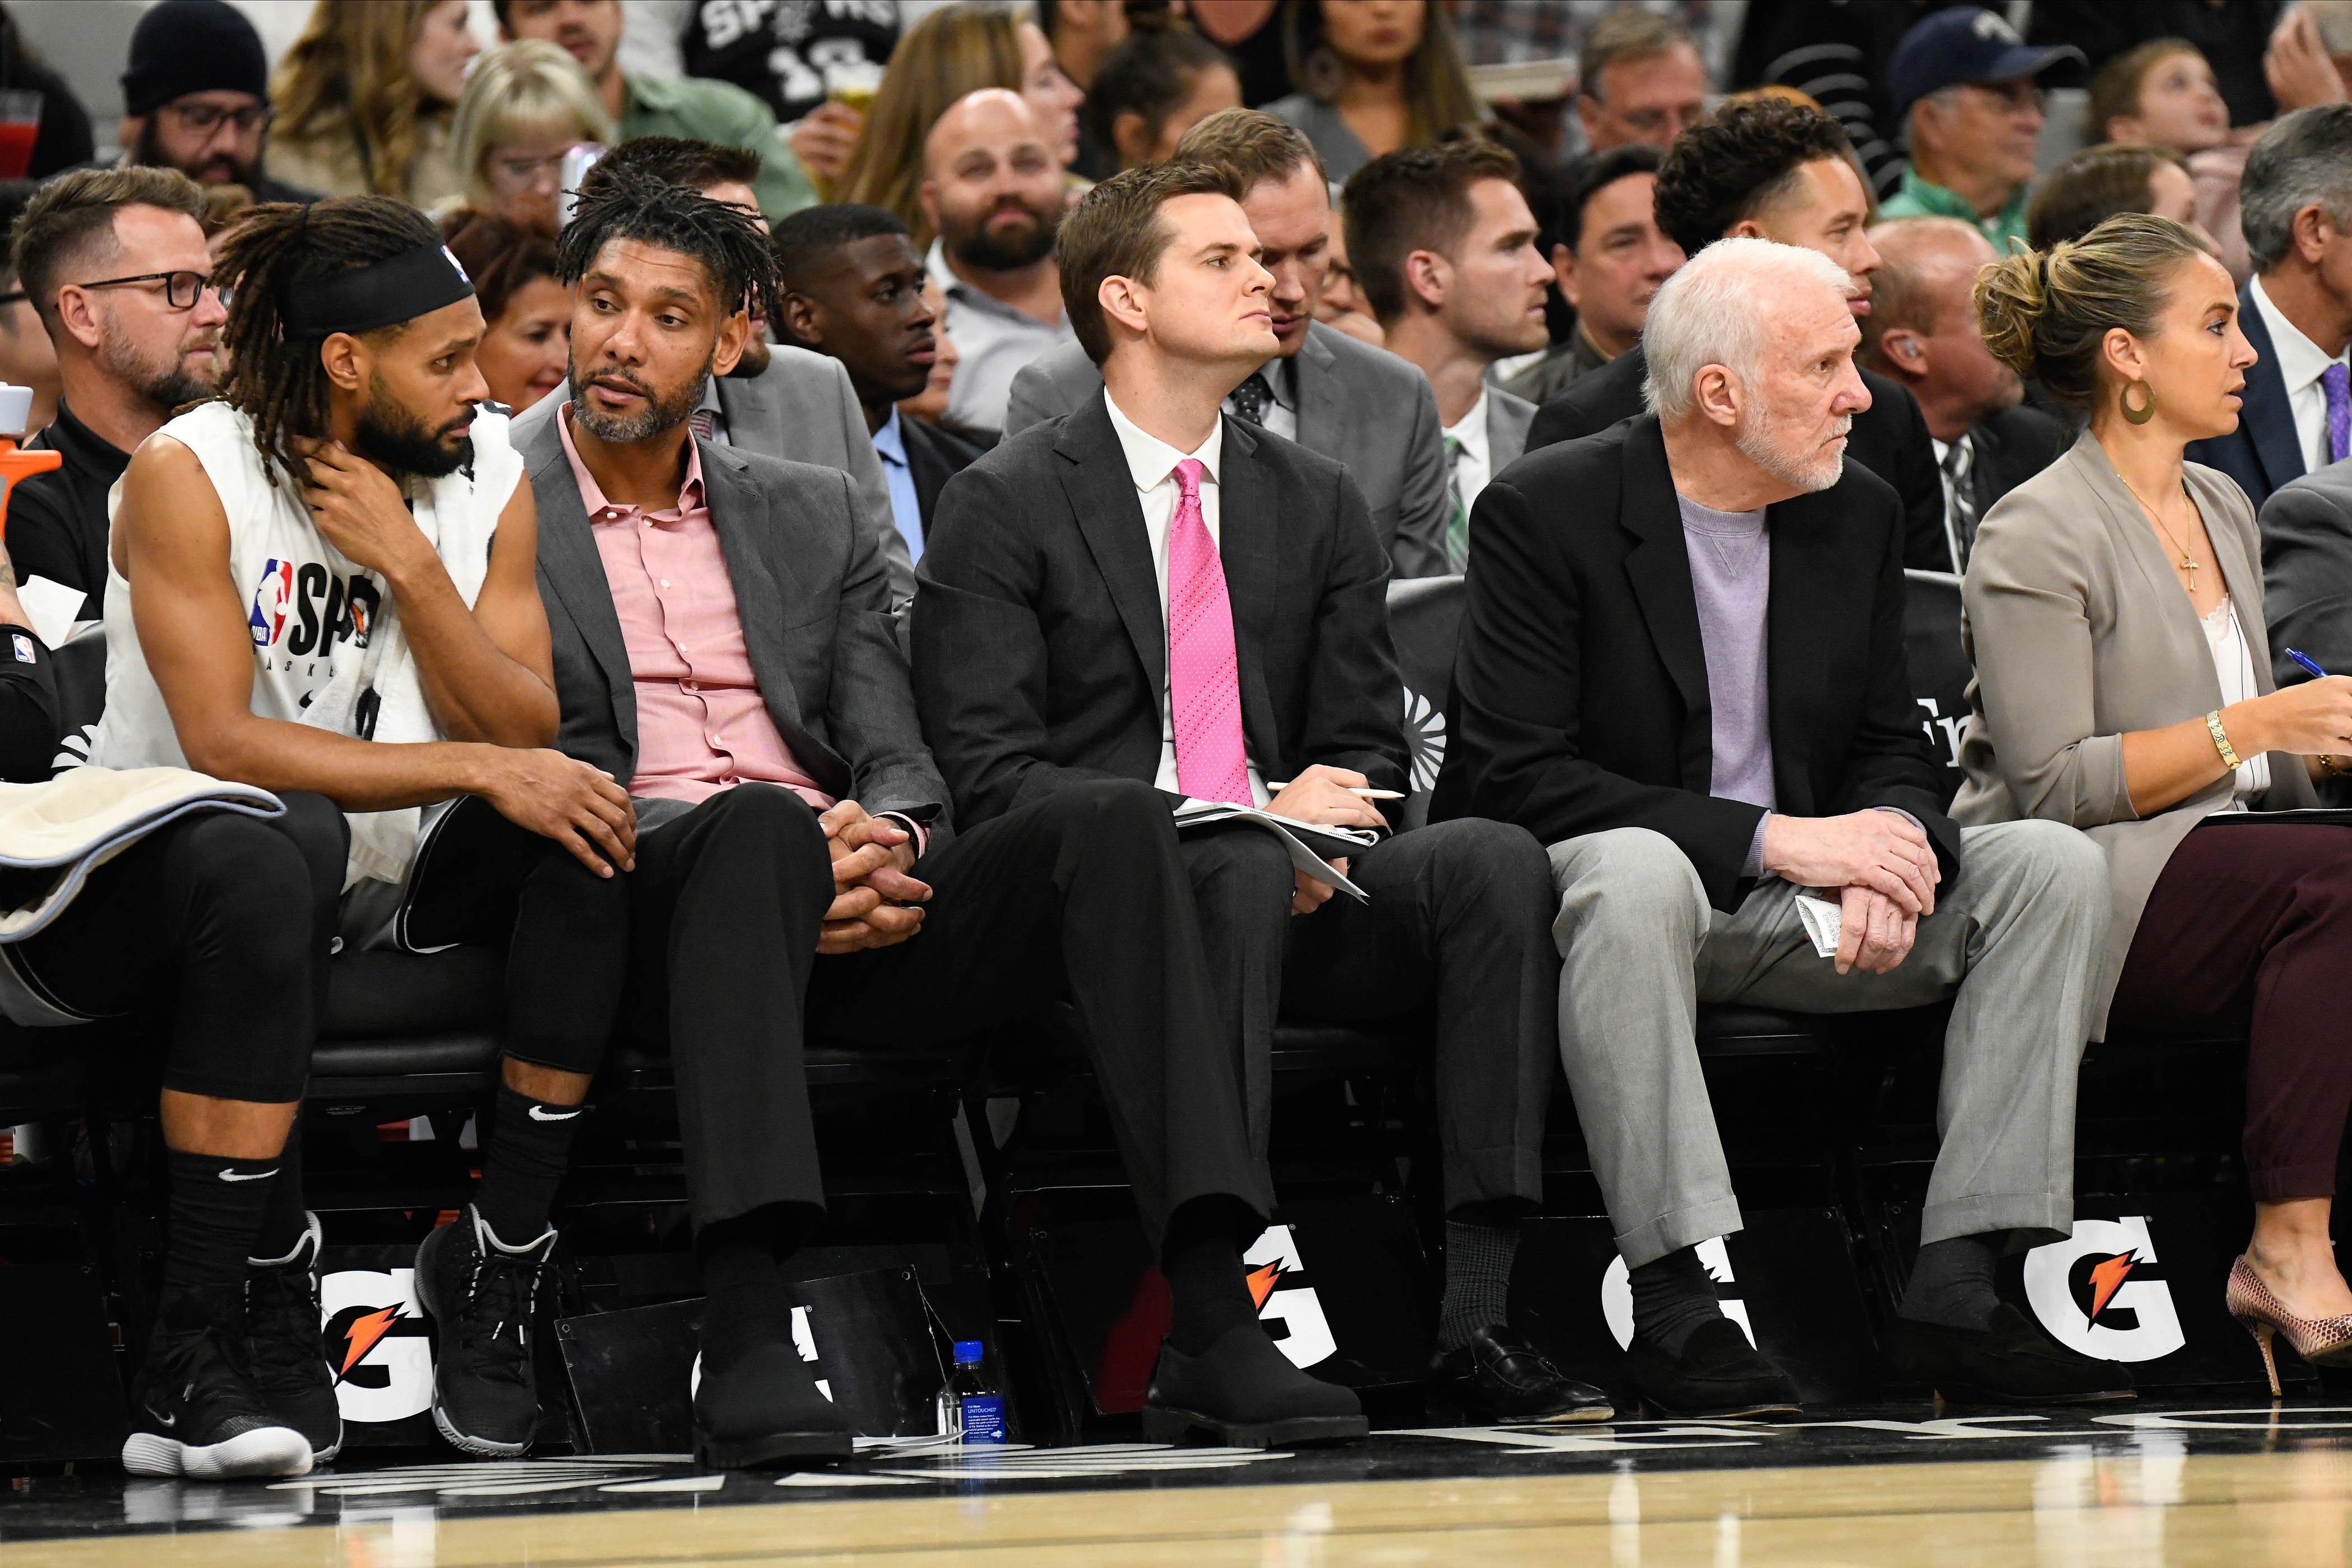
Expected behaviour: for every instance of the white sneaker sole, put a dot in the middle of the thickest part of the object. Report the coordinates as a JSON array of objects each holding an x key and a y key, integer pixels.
[{"x": 264, "y": 1451}]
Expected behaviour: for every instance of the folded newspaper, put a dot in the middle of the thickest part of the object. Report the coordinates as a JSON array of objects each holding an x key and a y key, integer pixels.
[
  {"x": 1313, "y": 846},
  {"x": 1824, "y": 921}
]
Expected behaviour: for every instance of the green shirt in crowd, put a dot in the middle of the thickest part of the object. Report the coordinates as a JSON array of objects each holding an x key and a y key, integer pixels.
[
  {"x": 1922, "y": 198},
  {"x": 703, "y": 110}
]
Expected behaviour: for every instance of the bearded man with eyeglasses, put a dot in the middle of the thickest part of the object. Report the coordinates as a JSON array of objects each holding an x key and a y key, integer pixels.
[
  {"x": 113, "y": 261},
  {"x": 196, "y": 97}
]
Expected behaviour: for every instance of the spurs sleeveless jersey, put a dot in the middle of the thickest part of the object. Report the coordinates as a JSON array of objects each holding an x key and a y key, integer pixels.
[{"x": 316, "y": 620}]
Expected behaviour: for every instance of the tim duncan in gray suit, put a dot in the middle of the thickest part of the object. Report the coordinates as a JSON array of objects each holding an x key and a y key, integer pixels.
[{"x": 1362, "y": 406}]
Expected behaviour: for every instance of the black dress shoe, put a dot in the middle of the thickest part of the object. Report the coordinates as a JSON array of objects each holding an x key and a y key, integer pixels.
[
  {"x": 1499, "y": 1377},
  {"x": 765, "y": 1412},
  {"x": 1719, "y": 1374},
  {"x": 1241, "y": 1392},
  {"x": 2007, "y": 1362}
]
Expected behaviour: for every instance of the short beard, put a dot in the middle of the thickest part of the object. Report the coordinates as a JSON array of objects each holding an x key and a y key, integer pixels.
[
  {"x": 386, "y": 434},
  {"x": 659, "y": 415},
  {"x": 148, "y": 154},
  {"x": 990, "y": 252},
  {"x": 169, "y": 386},
  {"x": 1804, "y": 473}
]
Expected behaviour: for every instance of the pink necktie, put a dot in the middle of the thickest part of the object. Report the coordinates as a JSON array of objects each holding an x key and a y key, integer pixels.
[{"x": 1204, "y": 692}]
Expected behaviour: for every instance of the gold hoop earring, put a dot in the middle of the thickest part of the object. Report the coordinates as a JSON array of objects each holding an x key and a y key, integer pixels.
[{"x": 2146, "y": 411}]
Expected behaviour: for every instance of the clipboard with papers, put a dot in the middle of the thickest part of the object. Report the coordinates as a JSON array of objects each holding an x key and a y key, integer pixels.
[{"x": 1313, "y": 846}]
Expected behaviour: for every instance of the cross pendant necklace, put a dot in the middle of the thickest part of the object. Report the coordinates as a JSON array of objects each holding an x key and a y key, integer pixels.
[{"x": 2188, "y": 562}]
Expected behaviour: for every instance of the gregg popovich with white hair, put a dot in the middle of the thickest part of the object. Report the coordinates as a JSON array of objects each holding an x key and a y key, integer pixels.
[{"x": 1682, "y": 668}]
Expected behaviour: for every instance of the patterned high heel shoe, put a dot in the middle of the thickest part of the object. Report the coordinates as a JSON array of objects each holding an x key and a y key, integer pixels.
[{"x": 2322, "y": 1342}]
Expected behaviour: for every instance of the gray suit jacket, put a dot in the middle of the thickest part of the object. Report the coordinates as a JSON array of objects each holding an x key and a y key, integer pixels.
[
  {"x": 814, "y": 602},
  {"x": 1362, "y": 406},
  {"x": 2307, "y": 572},
  {"x": 802, "y": 409},
  {"x": 2080, "y": 634},
  {"x": 1507, "y": 417}
]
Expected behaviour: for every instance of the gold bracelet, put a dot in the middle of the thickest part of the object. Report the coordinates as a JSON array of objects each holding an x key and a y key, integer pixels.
[
  {"x": 2220, "y": 740},
  {"x": 2329, "y": 766}
]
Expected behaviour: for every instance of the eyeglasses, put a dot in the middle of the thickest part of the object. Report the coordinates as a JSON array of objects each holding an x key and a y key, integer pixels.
[
  {"x": 203, "y": 119},
  {"x": 512, "y": 176},
  {"x": 13, "y": 296},
  {"x": 181, "y": 290}
]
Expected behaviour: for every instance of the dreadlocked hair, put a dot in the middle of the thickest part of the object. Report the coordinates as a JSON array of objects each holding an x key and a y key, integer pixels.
[
  {"x": 629, "y": 205},
  {"x": 275, "y": 378}
]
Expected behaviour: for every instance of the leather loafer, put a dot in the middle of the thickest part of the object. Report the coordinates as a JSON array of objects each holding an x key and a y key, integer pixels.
[
  {"x": 1718, "y": 1375},
  {"x": 1500, "y": 1377},
  {"x": 2007, "y": 1362}
]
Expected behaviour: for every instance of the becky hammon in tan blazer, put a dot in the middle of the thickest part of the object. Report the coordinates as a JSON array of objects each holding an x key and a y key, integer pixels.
[{"x": 2114, "y": 615}]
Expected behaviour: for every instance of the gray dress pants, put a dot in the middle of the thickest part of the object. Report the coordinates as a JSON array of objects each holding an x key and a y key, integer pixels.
[{"x": 2017, "y": 935}]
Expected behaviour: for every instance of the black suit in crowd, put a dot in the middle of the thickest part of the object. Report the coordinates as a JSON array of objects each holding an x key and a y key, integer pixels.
[
  {"x": 711, "y": 942},
  {"x": 1559, "y": 611},
  {"x": 933, "y": 457},
  {"x": 1041, "y": 657},
  {"x": 2263, "y": 454},
  {"x": 1890, "y": 438},
  {"x": 2013, "y": 445}
]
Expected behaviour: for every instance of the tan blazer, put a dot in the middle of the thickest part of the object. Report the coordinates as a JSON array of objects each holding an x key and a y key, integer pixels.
[{"x": 2080, "y": 632}]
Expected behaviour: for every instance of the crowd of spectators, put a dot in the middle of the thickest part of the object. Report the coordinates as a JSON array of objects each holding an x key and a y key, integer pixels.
[{"x": 1337, "y": 293}]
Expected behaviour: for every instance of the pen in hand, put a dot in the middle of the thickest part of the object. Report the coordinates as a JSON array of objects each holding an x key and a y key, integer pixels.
[{"x": 2308, "y": 663}]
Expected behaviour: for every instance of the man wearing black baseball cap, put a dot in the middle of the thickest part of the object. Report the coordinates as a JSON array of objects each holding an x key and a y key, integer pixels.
[
  {"x": 1968, "y": 92},
  {"x": 196, "y": 97}
]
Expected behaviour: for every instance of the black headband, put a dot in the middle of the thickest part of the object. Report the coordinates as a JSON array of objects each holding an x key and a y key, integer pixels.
[{"x": 398, "y": 288}]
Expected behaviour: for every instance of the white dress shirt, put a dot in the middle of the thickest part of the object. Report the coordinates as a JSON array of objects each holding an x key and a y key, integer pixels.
[
  {"x": 995, "y": 343},
  {"x": 1282, "y": 413},
  {"x": 1473, "y": 465},
  {"x": 1152, "y": 462},
  {"x": 2300, "y": 363}
]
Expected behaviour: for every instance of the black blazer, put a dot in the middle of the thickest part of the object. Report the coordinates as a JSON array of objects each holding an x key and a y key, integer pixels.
[
  {"x": 1579, "y": 693},
  {"x": 2013, "y": 445},
  {"x": 1040, "y": 651},
  {"x": 814, "y": 595},
  {"x": 1890, "y": 438},
  {"x": 933, "y": 457},
  {"x": 2263, "y": 454}
]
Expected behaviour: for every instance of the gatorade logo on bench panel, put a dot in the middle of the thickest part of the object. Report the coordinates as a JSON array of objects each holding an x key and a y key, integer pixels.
[
  {"x": 1617, "y": 1293},
  {"x": 1287, "y": 1304},
  {"x": 2097, "y": 1293},
  {"x": 376, "y": 1345}
]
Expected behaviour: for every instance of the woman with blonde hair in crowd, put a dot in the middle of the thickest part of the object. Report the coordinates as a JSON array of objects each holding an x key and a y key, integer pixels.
[
  {"x": 364, "y": 98},
  {"x": 2114, "y": 616},
  {"x": 1372, "y": 76},
  {"x": 525, "y": 106},
  {"x": 957, "y": 50}
]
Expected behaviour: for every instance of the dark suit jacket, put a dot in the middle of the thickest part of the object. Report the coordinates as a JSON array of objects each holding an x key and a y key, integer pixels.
[
  {"x": 1890, "y": 438},
  {"x": 2263, "y": 454},
  {"x": 933, "y": 457},
  {"x": 2013, "y": 445},
  {"x": 1040, "y": 652},
  {"x": 1579, "y": 693},
  {"x": 815, "y": 599}
]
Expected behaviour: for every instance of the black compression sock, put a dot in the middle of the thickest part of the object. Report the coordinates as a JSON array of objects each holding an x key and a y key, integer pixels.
[
  {"x": 1205, "y": 1288},
  {"x": 529, "y": 1150},
  {"x": 1673, "y": 1300},
  {"x": 285, "y": 1216},
  {"x": 1478, "y": 1279},
  {"x": 215, "y": 1206},
  {"x": 1951, "y": 1282}
]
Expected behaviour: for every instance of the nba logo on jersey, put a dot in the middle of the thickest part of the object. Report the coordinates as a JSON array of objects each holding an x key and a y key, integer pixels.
[{"x": 271, "y": 598}]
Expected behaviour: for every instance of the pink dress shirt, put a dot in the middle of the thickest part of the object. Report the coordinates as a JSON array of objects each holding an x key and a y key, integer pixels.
[{"x": 702, "y": 726}]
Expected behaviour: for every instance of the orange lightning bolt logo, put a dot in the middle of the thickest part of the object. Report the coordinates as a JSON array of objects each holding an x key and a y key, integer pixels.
[
  {"x": 363, "y": 1335},
  {"x": 1261, "y": 1282},
  {"x": 2107, "y": 1277}
]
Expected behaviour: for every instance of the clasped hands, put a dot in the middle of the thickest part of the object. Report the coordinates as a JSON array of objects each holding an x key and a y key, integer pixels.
[
  {"x": 1882, "y": 864},
  {"x": 874, "y": 902},
  {"x": 1322, "y": 796}
]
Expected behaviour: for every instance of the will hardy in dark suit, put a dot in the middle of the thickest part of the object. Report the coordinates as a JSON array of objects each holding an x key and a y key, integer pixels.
[
  {"x": 724, "y": 645},
  {"x": 1682, "y": 667},
  {"x": 1922, "y": 335},
  {"x": 1771, "y": 169},
  {"x": 1150, "y": 591}
]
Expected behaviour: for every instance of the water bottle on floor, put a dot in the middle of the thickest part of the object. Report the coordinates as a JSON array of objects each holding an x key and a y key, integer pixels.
[{"x": 969, "y": 1410}]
